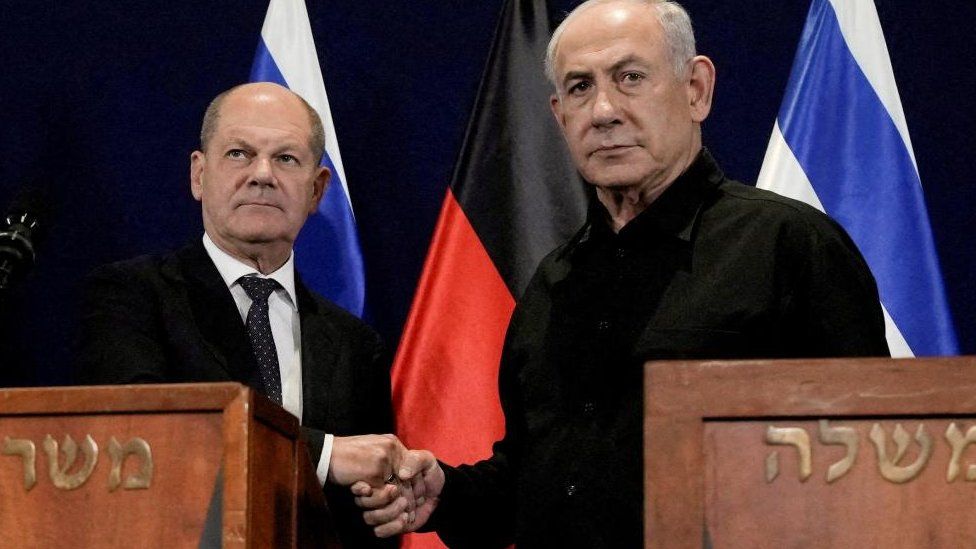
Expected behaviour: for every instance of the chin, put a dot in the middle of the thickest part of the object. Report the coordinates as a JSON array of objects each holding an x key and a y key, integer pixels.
[
  {"x": 610, "y": 181},
  {"x": 258, "y": 233}
]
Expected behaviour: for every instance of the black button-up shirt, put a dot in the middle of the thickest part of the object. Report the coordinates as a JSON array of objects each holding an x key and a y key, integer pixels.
[{"x": 712, "y": 269}]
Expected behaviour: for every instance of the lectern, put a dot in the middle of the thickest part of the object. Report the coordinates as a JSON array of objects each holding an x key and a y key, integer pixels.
[
  {"x": 155, "y": 466},
  {"x": 810, "y": 453}
]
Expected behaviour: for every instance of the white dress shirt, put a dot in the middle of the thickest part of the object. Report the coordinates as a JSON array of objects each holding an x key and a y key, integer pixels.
[{"x": 285, "y": 329}]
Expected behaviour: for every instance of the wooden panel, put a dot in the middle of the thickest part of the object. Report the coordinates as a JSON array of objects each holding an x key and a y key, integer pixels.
[
  {"x": 272, "y": 488},
  {"x": 186, "y": 453},
  {"x": 194, "y": 431},
  {"x": 672, "y": 484},
  {"x": 812, "y": 387},
  {"x": 237, "y": 423},
  {"x": 118, "y": 398},
  {"x": 859, "y": 509},
  {"x": 705, "y": 453}
]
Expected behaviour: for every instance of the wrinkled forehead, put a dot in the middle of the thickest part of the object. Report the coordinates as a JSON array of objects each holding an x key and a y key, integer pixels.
[
  {"x": 274, "y": 111},
  {"x": 624, "y": 29}
]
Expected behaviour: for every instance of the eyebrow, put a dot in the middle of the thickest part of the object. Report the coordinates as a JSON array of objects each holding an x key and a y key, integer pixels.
[
  {"x": 238, "y": 142},
  {"x": 574, "y": 75},
  {"x": 286, "y": 147},
  {"x": 621, "y": 63},
  {"x": 627, "y": 60}
]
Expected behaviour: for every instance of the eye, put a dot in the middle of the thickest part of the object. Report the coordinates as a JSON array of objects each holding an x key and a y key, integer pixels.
[
  {"x": 632, "y": 77},
  {"x": 288, "y": 159},
  {"x": 237, "y": 154},
  {"x": 579, "y": 87}
]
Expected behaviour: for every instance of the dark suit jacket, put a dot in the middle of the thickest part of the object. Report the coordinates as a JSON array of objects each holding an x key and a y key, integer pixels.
[{"x": 170, "y": 318}]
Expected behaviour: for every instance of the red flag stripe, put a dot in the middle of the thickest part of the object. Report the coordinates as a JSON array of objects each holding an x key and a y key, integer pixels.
[{"x": 445, "y": 375}]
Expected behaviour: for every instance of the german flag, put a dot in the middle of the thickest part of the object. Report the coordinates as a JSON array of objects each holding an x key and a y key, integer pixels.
[{"x": 514, "y": 196}]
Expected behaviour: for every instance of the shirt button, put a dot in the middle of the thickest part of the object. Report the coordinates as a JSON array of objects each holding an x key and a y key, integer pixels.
[
  {"x": 588, "y": 408},
  {"x": 620, "y": 253},
  {"x": 570, "y": 490},
  {"x": 603, "y": 326}
]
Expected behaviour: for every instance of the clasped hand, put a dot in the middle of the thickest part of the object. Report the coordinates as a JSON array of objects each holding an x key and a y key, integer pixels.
[{"x": 398, "y": 488}]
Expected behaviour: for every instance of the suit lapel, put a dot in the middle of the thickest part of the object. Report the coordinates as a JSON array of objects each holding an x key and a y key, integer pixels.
[
  {"x": 319, "y": 372},
  {"x": 214, "y": 312}
]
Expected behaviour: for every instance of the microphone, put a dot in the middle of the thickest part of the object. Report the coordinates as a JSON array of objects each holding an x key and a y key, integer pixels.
[{"x": 20, "y": 230}]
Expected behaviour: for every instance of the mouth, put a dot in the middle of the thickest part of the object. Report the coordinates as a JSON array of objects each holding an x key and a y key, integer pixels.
[
  {"x": 259, "y": 204},
  {"x": 612, "y": 149}
]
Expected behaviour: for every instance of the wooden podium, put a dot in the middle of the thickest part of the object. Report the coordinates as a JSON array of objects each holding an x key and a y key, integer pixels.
[
  {"x": 203, "y": 465},
  {"x": 812, "y": 453}
]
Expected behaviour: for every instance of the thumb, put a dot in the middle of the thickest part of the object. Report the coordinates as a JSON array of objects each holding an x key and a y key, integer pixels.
[{"x": 413, "y": 462}]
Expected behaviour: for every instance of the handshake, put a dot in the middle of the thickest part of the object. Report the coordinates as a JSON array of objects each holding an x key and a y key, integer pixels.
[{"x": 397, "y": 488}]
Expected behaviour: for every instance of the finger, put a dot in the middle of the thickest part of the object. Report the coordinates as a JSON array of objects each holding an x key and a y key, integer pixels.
[
  {"x": 386, "y": 514},
  {"x": 413, "y": 462},
  {"x": 361, "y": 488},
  {"x": 392, "y": 528},
  {"x": 379, "y": 497},
  {"x": 419, "y": 487},
  {"x": 406, "y": 490}
]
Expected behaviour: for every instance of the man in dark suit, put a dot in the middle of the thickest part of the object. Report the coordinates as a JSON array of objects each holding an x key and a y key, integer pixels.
[{"x": 231, "y": 307}]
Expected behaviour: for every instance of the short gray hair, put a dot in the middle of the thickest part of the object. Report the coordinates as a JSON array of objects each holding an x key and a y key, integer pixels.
[
  {"x": 316, "y": 140},
  {"x": 673, "y": 18}
]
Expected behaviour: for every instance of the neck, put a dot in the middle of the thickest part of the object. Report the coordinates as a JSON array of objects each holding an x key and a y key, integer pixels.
[
  {"x": 624, "y": 203},
  {"x": 264, "y": 257}
]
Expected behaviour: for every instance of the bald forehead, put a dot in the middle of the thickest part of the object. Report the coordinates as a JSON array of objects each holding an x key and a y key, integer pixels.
[
  {"x": 598, "y": 24},
  {"x": 611, "y": 17},
  {"x": 264, "y": 99},
  {"x": 261, "y": 96}
]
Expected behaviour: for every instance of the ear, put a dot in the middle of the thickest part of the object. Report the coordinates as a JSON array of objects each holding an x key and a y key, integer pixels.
[
  {"x": 197, "y": 161},
  {"x": 557, "y": 111},
  {"x": 701, "y": 84},
  {"x": 319, "y": 184}
]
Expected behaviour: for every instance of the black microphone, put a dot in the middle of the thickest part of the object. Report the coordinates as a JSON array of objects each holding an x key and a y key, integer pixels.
[{"x": 20, "y": 231}]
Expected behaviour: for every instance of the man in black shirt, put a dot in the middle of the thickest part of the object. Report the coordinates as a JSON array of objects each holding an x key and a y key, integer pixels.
[{"x": 674, "y": 261}]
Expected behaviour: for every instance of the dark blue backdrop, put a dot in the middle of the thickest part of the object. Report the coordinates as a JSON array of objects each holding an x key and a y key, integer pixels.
[{"x": 101, "y": 102}]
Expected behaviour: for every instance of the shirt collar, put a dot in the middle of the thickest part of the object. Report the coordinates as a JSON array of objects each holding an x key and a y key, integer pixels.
[
  {"x": 673, "y": 213},
  {"x": 231, "y": 269}
]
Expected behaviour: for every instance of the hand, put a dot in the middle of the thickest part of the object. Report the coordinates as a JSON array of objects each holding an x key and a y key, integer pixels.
[
  {"x": 388, "y": 510},
  {"x": 369, "y": 458}
]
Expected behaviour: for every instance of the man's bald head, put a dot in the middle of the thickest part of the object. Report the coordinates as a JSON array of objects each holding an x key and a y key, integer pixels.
[
  {"x": 211, "y": 117},
  {"x": 673, "y": 18}
]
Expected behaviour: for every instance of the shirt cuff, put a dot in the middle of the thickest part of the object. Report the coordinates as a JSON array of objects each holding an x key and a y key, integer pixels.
[{"x": 322, "y": 471}]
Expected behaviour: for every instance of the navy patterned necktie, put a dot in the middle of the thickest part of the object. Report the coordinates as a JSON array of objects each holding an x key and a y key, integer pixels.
[{"x": 259, "y": 330}]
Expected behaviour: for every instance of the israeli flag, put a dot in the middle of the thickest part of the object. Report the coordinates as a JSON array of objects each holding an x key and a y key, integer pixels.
[
  {"x": 841, "y": 144},
  {"x": 327, "y": 252}
]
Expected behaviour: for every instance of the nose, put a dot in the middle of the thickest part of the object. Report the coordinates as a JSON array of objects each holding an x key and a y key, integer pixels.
[
  {"x": 262, "y": 174},
  {"x": 605, "y": 109}
]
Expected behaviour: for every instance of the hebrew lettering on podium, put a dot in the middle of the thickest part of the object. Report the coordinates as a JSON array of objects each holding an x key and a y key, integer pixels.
[
  {"x": 958, "y": 442},
  {"x": 68, "y": 474},
  {"x": 889, "y": 467},
  {"x": 792, "y": 436},
  {"x": 845, "y": 436},
  {"x": 27, "y": 451},
  {"x": 135, "y": 447},
  {"x": 60, "y": 475}
]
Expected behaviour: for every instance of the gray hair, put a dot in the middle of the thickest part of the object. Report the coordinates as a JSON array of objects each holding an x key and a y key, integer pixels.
[
  {"x": 673, "y": 18},
  {"x": 316, "y": 139}
]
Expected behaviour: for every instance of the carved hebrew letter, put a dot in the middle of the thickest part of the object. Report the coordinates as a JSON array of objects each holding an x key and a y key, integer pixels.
[
  {"x": 793, "y": 436},
  {"x": 134, "y": 446},
  {"x": 27, "y": 452},
  {"x": 887, "y": 466},
  {"x": 959, "y": 444},
  {"x": 846, "y": 436},
  {"x": 59, "y": 475}
]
